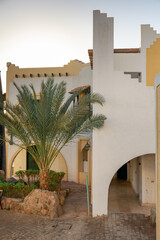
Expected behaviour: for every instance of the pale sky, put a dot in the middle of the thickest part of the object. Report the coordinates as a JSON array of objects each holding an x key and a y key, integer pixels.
[{"x": 50, "y": 33}]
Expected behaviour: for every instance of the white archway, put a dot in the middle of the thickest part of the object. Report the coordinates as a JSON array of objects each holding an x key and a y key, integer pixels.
[
  {"x": 137, "y": 189},
  {"x": 102, "y": 181}
]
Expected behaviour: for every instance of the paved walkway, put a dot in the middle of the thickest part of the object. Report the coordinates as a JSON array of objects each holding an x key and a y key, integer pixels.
[
  {"x": 75, "y": 225},
  {"x": 122, "y": 198}
]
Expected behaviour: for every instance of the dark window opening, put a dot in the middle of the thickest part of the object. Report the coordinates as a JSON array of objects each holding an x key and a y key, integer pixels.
[{"x": 31, "y": 164}]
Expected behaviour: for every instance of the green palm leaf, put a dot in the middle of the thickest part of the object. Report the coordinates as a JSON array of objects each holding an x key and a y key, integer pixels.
[{"x": 49, "y": 123}]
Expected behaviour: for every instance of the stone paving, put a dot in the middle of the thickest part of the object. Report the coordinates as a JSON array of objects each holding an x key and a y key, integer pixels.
[
  {"x": 75, "y": 225},
  {"x": 122, "y": 198}
]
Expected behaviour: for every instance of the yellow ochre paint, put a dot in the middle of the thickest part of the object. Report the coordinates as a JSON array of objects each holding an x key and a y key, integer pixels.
[{"x": 152, "y": 62}]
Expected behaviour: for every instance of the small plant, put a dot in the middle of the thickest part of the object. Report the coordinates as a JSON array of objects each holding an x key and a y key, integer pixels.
[
  {"x": 35, "y": 175},
  {"x": 53, "y": 186},
  {"x": 20, "y": 174},
  {"x": 19, "y": 190},
  {"x": 31, "y": 174},
  {"x": 56, "y": 177},
  {"x": 1, "y": 178},
  {"x": 37, "y": 183}
]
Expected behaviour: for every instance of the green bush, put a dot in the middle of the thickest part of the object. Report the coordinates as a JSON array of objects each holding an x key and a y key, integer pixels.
[
  {"x": 56, "y": 178},
  {"x": 53, "y": 186},
  {"x": 20, "y": 174},
  {"x": 19, "y": 190},
  {"x": 1, "y": 178},
  {"x": 37, "y": 183},
  {"x": 31, "y": 175}
]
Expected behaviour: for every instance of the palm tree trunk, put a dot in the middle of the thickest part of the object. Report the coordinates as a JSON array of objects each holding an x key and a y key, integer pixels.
[{"x": 44, "y": 179}]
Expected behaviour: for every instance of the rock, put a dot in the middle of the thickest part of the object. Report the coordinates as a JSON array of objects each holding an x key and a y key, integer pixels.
[
  {"x": 53, "y": 214},
  {"x": 64, "y": 193},
  {"x": 42, "y": 202},
  {"x": 61, "y": 199},
  {"x": 14, "y": 204},
  {"x": 8, "y": 201},
  {"x": 3, "y": 202},
  {"x": 153, "y": 216},
  {"x": 39, "y": 202},
  {"x": 44, "y": 212},
  {"x": 60, "y": 210}
]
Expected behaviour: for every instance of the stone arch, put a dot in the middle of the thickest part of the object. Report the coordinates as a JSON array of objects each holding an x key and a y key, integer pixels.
[{"x": 59, "y": 158}]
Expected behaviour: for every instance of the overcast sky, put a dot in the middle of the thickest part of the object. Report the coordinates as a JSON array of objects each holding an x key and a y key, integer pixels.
[{"x": 50, "y": 33}]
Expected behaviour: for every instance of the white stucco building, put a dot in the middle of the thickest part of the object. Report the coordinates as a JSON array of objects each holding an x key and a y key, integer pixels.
[{"x": 125, "y": 77}]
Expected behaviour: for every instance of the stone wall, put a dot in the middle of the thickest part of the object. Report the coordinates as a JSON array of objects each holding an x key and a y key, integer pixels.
[{"x": 38, "y": 202}]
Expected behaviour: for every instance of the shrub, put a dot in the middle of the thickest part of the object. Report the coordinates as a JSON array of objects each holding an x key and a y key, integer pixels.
[
  {"x": 1, "y": 178},
  {"x": 53, "y": 186},
  {"x": 55, "y": 178},
  {"x": 19, "y": 190},
  {"x": 32, "y": 175},
  {"x": 37, "y": 183},
  {"x": 20, "y": 174}
]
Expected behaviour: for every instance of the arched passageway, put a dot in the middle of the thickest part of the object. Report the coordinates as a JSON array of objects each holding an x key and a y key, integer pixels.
[{"x": 133, "y": 189}]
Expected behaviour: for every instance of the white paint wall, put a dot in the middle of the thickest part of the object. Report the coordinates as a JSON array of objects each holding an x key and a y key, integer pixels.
[
  {"x": 148, "y": 179},
  {"x": 136, "y": 62},
  {"x": 129, "y": 62},
  {"x": 142, "y": 178},
  {"x": 134, "y": 174},
  {"x": 129, "y": 130}
]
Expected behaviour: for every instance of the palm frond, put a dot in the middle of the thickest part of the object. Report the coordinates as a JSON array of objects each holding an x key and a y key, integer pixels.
[{"x": 49, "y": 123}]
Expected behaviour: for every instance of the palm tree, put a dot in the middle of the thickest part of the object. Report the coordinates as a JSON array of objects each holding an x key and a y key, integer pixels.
[{"x": 48, "y": 123}]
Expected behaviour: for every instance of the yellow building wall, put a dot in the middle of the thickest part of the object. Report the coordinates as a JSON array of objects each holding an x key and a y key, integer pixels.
[
  {"x": 59, "y": 165},
  {"x": 73, "y": 68},
  {"x": 152, "y": 62},
  {"x": 158, "y": 158},
  {"x": 81, "y": 176},
  {"x": 20, "y": 162}
]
